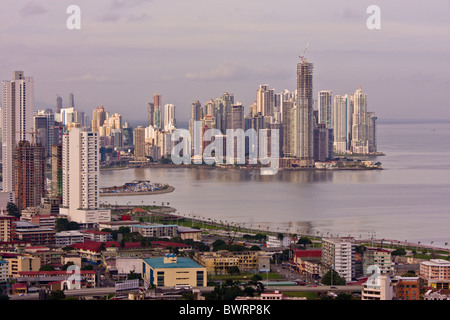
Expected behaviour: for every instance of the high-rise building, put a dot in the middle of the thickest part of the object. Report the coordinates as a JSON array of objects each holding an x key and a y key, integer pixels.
[
  {"x": 372, "y": 128},
  {"x": 98, "y": 118},
  {"x": 342, "y": 130},
  {"x": 43, "y": 122},
  {"x": 287, "y": 128},
  {"x": 169, "y": 117},
  {"x": 30, "y": 179},
  {"x": 71, "y": 101},
  {"x": 338, "y": 254},
  {"x": 17, "y": 121},
  {"x": 360, "y": 128},
  {"x": 209, "y": 108},
  {"x": 321, "y": 135},
  {"x": 325, "y": 108},
  {"x": 151, "y": 113},
  {"x": 305, "y": 107},
  {"x": 157, "y": 116},
  {"x": 56, "y": 171},
  {"x": 265, "y": 100},
  {"x": 139, "y": 144},
  {"x": 59, "y": 104},
  {"x": 80, "y": 177}
]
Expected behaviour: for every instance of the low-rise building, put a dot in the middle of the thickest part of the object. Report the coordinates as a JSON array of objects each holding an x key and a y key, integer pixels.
[
  {"x": 94, "y": 235},
  {"x": 441, "y": 294},
  {"x": 220, "y": 262},
  {"x": 308, "y": 261},
  {"x": 66, "y": 238},
  {"x": 172, "y": 271},
  {"x": 436, "y": 272},
  {"x": 22, "y": 263},
  {"x": 86, "y": 278},
  {"x": 377, "y": 288},
  {"x": 189, "y": 233},
  {"x": 156, "y": 230},
  {"x": 33, "y": 233},
  {"x": 377, "y": 257},
  {"x": 406, "y": 288}
]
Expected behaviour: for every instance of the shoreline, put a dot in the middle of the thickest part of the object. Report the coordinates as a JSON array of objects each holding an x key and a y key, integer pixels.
[
  {"x": 232, "y": 167},
  {"x": 111, "y": 194}
]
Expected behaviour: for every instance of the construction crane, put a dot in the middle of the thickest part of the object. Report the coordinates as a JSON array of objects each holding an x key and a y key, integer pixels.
[
  {"x": 32, "y": 132},
  {"x": 302, "y": 57}
]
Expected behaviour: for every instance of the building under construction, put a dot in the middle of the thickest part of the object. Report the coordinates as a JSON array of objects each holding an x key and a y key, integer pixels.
[{"x": 29, "y": 168}]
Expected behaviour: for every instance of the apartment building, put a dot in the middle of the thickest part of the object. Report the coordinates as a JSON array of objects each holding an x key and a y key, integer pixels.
[
  {"x": 22, "y": 263},
  {"x": 156, "y": 230},
  {"x": 378, "y": 289},
  {"x": 6, "y": 228},
  {"x": 406, "y": 288},
  {"x": 436, "y": 272},
  {"x": 377, "y": 257},
  {"x": 339, "y": 254},
  {"x": 219, "y": 262}
]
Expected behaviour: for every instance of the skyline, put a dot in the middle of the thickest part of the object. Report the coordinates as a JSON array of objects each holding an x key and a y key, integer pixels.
[{"x": 127, "y": 50}]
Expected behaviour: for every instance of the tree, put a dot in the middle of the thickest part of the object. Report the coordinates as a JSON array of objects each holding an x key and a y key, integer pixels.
[
  {"x": 133, "y": 275},
  {"x": 56, "y": 295},
  {"x": 399, "y": 252},
  {"x": 228, "y": 290},
  {"x": 47, "y": 267},
  {"x": 13, "y": 210},
  {"x": 344, "y": 296},
  {"x": 333, "y": 278},
  {"x": 304, "y": 241},
  {"x": 234, "y": 270},
  {"x": 64, "y": 267}
]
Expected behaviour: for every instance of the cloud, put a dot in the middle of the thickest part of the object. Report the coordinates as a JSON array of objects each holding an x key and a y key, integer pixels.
[
  {"x": 222, "y": 72},
  {"x": 88, "y": 77},
  {"x": 32, "y": 9},
  {"x": 232, "y": 71}
]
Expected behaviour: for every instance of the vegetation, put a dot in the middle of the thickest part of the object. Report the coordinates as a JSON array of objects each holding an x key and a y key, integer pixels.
[
  {"x": 62, "y": 224},
  {"x": 13, "y": 210},
  {"x": 333, "y": 278}
]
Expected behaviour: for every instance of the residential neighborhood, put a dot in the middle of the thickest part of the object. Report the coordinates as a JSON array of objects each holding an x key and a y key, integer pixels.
[{"x": 144, "y": 254}]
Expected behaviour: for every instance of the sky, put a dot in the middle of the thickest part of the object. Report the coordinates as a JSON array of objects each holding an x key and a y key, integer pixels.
[{"x": 126, "y": 50}]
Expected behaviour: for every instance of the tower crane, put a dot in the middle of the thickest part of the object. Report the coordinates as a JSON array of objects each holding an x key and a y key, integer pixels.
[{"x": 302, "y": 56}]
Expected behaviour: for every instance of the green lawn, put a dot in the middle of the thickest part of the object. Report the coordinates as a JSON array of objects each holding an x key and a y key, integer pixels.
[{"x": 308, "y": 295}]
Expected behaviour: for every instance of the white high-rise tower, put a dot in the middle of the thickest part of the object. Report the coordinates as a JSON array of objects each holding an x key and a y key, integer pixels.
[
  {"x": 80, "y": 177},
  {"x": 17, "y": 121},
  {"x": 360, "y": 128}
]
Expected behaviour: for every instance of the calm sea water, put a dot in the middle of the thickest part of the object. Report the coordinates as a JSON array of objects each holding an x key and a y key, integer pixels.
[{"x": 409, "y": 200}]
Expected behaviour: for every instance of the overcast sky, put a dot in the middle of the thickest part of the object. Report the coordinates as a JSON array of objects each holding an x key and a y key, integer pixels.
[{"x": 195, "y": 50}]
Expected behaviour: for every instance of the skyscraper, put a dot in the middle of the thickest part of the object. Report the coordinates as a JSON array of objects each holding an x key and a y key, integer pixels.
[
  {"x": 59, "y": 104},
  {"x": 151, "y": 113},
  {"x": 325, "y": 108},
  {"x": 169, "y": 117},
  {"x": 30, "y": 180},
  {"x": 43, "y": 123},
  {"x": 98, "y": 118},
  {"x": 80, "y": 177},
  {"x": 265, "y": 100},
  {"x": 305, "y": 107},
  {"x": 157, "y": 117},
  {"x": 17, "y": 120},
  {"x": 71, "y": 101},
  {"x": 342, "y": 130},
  {"x": 360, "y": 128},
  {"x": 372, "y": 128},
  {"x": 139, "y": 144}
]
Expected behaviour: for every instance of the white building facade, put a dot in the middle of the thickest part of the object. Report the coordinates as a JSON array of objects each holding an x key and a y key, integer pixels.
[{"x": 80, "y": 162}]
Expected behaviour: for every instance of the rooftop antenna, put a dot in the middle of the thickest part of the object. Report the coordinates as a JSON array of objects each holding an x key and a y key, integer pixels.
[{"x": 302, "y": 57}]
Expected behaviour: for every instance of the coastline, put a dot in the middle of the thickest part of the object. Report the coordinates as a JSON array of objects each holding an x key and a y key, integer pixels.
[{"x": 110, "y": 194}]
